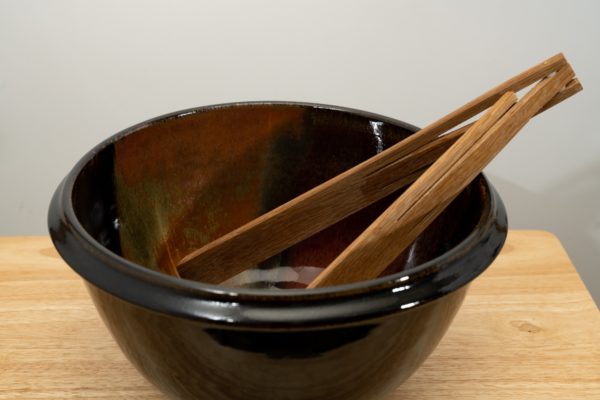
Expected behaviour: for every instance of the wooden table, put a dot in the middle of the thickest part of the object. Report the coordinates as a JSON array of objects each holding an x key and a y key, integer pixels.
[{"x": 528, "y": 330}]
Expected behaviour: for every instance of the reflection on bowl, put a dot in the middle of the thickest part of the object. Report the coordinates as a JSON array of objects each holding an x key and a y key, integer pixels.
[{"x": 143, "y": 199}]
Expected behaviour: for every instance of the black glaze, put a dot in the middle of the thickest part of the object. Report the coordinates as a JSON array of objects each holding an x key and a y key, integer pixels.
[{"x": 207, "y": 342}]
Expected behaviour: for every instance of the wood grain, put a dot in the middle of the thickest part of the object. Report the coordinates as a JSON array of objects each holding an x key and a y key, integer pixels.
[
  {"x": 528, "y": 330},
  {"x": 398, "y": 226},
  {"x": 322, "y": 206},
  {"x": 573, "y": 87},
  {"x": 52, "y": 342}
]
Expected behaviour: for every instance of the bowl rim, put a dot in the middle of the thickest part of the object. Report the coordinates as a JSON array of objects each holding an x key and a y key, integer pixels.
[{"x": 259, "y": 308}]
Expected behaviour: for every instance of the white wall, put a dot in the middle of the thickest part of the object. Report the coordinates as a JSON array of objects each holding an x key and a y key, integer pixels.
[{"x": 74, "y": 72}]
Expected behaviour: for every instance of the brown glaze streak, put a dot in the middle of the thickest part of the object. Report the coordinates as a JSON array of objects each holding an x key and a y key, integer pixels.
[{"x": 196, "y": 183}]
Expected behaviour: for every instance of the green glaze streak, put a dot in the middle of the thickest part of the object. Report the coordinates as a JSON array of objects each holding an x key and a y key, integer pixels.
[{"x": 144, "y": 216}]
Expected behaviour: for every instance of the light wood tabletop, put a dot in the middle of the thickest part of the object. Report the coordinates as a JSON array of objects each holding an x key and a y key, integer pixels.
[{"x": 528, "y": 330}]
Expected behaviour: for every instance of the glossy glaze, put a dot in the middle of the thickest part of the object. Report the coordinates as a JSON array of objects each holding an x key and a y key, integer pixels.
[
  {"x": 192, "y": 359},
  {"x": 153, "y": 192}
]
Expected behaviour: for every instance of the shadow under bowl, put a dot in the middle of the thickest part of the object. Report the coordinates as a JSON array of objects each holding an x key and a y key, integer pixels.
[{"x": 144, "y": 198}]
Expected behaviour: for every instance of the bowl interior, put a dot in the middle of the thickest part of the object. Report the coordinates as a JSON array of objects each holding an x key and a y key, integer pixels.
[{"x": 169, "y": 186}]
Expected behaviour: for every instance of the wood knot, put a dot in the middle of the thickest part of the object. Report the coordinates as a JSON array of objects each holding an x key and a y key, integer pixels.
[{"x": 525, "y": 326}]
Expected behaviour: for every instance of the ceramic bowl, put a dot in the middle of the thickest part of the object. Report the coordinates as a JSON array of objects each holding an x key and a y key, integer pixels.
[{"x": 144, "y": 198}]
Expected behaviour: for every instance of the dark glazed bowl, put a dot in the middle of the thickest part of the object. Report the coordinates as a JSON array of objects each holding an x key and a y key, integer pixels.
[{"x": 145, "y": 197}]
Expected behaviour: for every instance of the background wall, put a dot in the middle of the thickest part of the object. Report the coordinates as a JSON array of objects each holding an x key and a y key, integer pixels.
[{"x": 74, "y": 72}]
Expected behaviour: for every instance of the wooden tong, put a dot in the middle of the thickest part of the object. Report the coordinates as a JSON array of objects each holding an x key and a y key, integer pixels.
[
  {"x": 354, "y": 189},
  {"x": 424, "y": 200}
]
